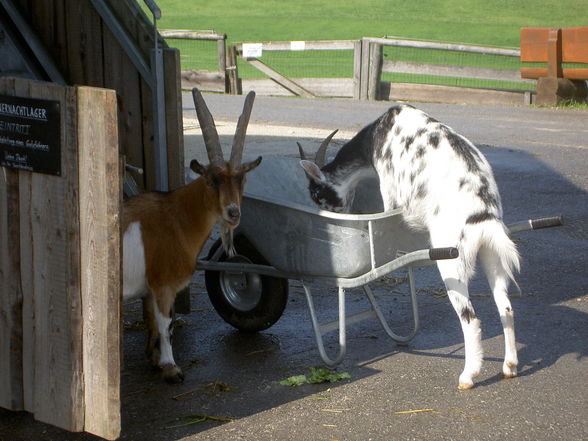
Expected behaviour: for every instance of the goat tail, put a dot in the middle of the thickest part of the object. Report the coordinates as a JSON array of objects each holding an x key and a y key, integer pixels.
[{"x": 493, "y": 238}]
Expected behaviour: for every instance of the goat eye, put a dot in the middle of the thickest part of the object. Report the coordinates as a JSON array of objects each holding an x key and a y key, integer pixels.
[{"x": 214, "y": 181}]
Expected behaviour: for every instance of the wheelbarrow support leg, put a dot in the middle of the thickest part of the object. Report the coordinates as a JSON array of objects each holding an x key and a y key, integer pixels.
[
  {"x": 320, "y": 330},
  {"x": 400, "y": 339}
]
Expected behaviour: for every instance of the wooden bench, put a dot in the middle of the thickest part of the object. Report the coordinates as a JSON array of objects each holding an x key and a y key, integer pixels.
[{"x": 555, "y": 46}]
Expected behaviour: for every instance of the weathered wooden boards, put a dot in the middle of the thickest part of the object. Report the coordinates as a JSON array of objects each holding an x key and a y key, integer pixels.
[
  {"x": 60, "y": 270},
  {"x": 86, "y": 52}
]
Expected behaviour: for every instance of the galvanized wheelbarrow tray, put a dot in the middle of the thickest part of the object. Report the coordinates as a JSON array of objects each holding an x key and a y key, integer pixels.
[{"x": 284, "y": 236}]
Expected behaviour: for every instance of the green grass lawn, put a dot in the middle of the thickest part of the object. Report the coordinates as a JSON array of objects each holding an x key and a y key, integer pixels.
[
  {"x": 495, "y": 23},
  {"x": 481, "y": 22}
]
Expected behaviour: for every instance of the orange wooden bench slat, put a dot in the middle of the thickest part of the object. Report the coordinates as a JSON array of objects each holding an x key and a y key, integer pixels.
[
  {"x": 574, "y": 44},
  {"x": 534, "y": 44},
  {"x": 572, "y": 73}
]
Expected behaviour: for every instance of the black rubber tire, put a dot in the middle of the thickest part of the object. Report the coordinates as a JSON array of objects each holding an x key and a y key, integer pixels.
[{"x": 270, "y": 297}]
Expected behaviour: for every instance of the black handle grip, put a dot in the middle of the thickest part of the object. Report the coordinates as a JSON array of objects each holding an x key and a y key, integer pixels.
[
  {"x": 443, "y": 253},
  {"x": 546, "y": 222}
]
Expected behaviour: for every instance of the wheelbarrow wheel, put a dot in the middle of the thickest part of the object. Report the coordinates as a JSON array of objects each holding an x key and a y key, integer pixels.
[{"x": 249, "y": 302}]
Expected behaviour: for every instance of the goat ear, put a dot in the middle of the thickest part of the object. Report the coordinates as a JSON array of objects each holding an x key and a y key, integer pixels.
[
  {"x": 248, "y": 166},
  {"x": 312, "y": 171},
  {"x": 301, "y": 151},
  {"x": 196, "y": 167}
]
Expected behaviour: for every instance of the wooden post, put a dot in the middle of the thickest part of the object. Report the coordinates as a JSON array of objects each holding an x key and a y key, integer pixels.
[
  {"x": 174, "y": 119},
  {"x": 100, "y": 258},
  {"x": 357, "y": 69},
  {"x": 365, "y": 65},
  {"x": 374, "y": 70},
  {"x": 554, "y": 54},
  {"x": 222, "y": 53},
  {"x": 233, "y": 72}
]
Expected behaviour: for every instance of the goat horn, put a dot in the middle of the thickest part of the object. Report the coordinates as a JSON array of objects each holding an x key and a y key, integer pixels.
[
  {"x": 209, "y": 133},
  {"x": 301, "y": 151},
  {"x": 321, "y": 153},
  {"x": 239, "y": 139}
]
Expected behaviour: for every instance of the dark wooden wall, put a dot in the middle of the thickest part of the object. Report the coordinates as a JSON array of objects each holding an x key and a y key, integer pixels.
[{"x": 86, "y": 53}]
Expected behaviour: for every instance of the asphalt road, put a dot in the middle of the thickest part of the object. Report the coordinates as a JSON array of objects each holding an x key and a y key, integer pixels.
[{"x": 540, "y": 159}]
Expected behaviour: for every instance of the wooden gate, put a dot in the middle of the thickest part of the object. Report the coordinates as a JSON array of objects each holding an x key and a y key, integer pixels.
[{"x": 60, "y": 259}]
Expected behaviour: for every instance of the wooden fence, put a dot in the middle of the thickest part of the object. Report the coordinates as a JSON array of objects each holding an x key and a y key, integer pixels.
[
  {"x": 378, "y": 89},
  {"x": 209, "y": 80},
  {"x": 368, "y": 66},
  {"x": 60, "y": 261}
]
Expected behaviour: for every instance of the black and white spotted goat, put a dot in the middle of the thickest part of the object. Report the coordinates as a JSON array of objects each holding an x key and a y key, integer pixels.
[{"x": 446, "y": 187}]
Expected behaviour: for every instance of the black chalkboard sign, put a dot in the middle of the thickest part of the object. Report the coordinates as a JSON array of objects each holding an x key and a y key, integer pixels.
[{"x": 30, "y": 134}]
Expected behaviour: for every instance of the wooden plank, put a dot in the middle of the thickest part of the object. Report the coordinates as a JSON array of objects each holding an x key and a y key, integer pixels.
[
  {"x": 100, "y": 196},
  {"x": 182, "y": 34},
  {"x": 11, "y": 348},
  {"x": 449, "y": 94},
  {"x": 534, "y": 44},
  {"x": 53, "y": 218},
  {"x": 571, "y": 73},
  {"x": 84, "y": 44},
  {"x": 445, "y": 46},
  {"x": 119, "y": 73},
  {"x": 286, "y": 83},
  {"x": 11, "y": 330},
  {"x": 148, "y": 135},
  {"x": 575, "y": 45},
  {"x": 28, "y": 313},
  {"x": 205, "y": 80},
  {"x": 317, "y": 45},
  {"x": 451, "y": 71},
  {"x": 174, "y": 118},
  {"x": 22, "y": 88}
]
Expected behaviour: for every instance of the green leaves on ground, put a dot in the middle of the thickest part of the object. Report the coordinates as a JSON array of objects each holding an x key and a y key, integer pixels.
[{"x": 316, "y": 376}]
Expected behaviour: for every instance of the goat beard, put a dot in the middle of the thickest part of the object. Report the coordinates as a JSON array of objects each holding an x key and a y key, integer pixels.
[{"x": 226, "y": 232}]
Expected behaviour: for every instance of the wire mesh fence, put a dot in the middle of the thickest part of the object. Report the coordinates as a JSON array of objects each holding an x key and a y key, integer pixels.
[
  {"x": 199, "y": 50},
  {"x": 196, "y": 54},
  {"x": 445, "y": 64},
  {"x": 444, "y": 60},
  {"x": 303, "y": 64}
]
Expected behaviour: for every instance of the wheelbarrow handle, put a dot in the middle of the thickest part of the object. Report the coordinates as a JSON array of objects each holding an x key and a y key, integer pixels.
[
  {"x": 443, "y": 253},
  {"x": 536, "y": 224},
  {"x": 546, "y": 222}
]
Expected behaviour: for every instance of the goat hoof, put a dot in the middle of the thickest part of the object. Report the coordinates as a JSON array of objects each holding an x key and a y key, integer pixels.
[
  {"x": 509, "y": 370},
  {"x": 465, "y": 383},
  {"x": 510, "y": 374},
  {"x": 172, "y": 374}
]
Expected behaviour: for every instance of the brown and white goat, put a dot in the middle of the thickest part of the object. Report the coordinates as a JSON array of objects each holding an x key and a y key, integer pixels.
[{"x": 164, "y": 232}]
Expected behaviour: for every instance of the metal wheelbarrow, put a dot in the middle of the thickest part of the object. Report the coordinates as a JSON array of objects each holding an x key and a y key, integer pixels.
[{"x": 284, "y": 236}]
